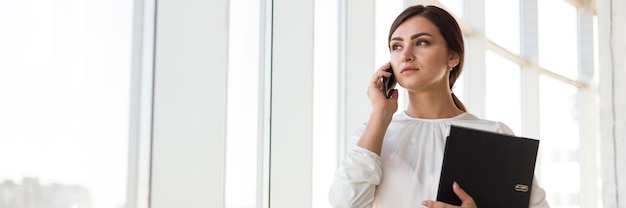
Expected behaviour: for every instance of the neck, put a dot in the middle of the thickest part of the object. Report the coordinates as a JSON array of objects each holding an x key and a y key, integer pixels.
[{"x": 432, "y": 105}]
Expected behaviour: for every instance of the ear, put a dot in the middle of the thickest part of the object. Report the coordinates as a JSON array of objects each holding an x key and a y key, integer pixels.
[{"x": 453, "y": 60}]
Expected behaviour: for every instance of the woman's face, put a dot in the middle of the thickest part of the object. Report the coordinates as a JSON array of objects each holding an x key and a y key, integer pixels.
[{"x": 419, "y": 55}]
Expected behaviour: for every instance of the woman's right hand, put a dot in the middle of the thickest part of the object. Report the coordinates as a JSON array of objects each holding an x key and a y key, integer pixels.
[
  {"x": 382, "y": 112},
  {"x": 466, "y": 200},
  {"x": 376, "y": 94}
]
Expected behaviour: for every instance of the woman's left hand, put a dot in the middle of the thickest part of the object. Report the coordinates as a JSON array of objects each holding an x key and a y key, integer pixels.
[{"x": 466, "y": 200}]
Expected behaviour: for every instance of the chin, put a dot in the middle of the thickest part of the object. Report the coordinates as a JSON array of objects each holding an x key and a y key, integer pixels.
[{"x": 409, "y": 84}]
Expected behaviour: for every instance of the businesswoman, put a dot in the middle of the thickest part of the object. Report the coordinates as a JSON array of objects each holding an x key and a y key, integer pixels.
[{"x": 395, "y": 160}]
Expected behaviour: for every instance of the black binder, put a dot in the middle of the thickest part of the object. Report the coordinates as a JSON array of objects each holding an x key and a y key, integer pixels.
[{"x": 496, "y": 170}]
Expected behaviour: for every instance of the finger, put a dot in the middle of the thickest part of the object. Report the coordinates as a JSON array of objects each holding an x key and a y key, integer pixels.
[
  {"x": 383, "y": 69},
  {"x": 394, "y": 94},
  {"x": 435, "y": 204},
  {"x": 376, "y": 77},
  {"x": 465, "y": 198}
]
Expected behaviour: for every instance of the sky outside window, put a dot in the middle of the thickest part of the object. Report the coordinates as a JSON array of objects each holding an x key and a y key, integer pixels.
[{"x": 65, "y": 84}]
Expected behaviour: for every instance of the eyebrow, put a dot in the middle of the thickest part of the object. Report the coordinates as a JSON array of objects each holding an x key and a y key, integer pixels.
[{"x": 412, "y": 36}]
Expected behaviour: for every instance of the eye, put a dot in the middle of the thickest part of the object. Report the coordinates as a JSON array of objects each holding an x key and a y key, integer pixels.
[
  {"x": 422, "y": 43},
  {"x": 395, "y": 47}
]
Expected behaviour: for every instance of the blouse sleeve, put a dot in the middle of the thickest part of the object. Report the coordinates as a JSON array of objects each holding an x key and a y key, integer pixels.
[
  {"x": 537, "y": 196},
  {"x": 356, "y": 179}
]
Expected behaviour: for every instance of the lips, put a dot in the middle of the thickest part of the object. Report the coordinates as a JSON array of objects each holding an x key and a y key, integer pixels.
[{"x": 408, "y": 69}]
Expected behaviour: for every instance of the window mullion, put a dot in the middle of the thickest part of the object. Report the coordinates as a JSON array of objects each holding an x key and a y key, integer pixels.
[
  {"x": 530, "y": 77},
  {"x": 586, "y": 110}
]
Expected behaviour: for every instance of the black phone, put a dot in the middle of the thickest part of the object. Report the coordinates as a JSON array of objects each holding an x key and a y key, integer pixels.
[{"x": 389, "y": 84}]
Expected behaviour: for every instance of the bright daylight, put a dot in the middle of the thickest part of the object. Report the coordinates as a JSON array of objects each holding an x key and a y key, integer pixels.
[{"x": 277, "y": 103}]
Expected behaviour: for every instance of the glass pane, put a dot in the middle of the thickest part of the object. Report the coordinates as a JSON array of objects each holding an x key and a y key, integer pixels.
[
  {"x": 560, "y": 139},
  {"x": 558, "y": 45},
  {"x": 65, "y": 86},
  {"x": 503, "y": 92},
  {"x": 325, "y": 99},
  {"x": 502, "y": 23},
  {"x": 243, "y": 105}
]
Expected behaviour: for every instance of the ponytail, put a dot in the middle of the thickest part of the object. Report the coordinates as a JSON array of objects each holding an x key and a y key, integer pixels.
[{"x": 458, "y": 103}]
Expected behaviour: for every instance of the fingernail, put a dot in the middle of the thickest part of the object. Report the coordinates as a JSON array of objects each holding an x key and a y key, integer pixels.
[
  {"x": 425, "y": 203},
  {"x": 455, "y": 185}
]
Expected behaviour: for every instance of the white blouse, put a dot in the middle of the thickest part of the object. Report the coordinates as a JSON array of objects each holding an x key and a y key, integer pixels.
[{"x": 408, "y": 169}]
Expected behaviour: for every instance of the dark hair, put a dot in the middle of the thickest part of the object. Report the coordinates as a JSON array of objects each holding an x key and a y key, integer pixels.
[{"x": 449, "y": 29}]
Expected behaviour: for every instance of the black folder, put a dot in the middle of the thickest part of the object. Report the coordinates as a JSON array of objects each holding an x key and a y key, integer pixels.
[{"x": 496, "y": 170}]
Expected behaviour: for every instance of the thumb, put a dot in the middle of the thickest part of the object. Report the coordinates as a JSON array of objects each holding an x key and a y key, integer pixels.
[
  {"x": 465, "y": 198},
  {"x": 460, "y": 192}
]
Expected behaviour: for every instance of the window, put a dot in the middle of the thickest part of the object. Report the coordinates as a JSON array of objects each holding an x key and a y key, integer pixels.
[
  {"x": 558, "y": 37},
  {"x": 325, "y": 99},
  {"x": 502, "y": 23},
  {"x": 560, "y": 143},
  {"x": 65, "y": 84},
  {"x": 550, "y": 98},
  {"x": 242, "y": 135},
  {"x": 503, "y": 93}
]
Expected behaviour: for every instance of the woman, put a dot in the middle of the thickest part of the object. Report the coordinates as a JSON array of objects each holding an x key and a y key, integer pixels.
[{"x": 426, "y": 46}]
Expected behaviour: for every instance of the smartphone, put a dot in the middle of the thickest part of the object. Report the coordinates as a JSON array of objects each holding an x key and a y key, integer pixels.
[{"x": 389, "y": 84}]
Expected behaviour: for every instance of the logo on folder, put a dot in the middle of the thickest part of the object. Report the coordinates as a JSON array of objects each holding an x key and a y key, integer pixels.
[{"x": 521, "y": 188}]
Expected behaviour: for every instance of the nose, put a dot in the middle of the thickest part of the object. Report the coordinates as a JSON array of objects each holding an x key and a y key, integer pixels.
[{"x": 407, "y": 54}]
